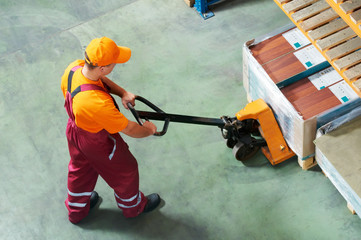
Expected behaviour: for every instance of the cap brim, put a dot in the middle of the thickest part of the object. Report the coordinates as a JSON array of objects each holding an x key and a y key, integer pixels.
[{"x": 124, "y": 54}]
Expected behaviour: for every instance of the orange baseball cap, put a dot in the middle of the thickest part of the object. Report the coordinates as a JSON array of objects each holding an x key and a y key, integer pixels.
[{"x": 104, "y": 51}]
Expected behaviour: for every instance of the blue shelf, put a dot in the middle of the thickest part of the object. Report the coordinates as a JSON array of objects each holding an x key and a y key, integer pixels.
[{"x": 202, "y": 8}]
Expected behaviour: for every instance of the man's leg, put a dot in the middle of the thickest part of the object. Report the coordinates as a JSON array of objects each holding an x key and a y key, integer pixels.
[
  {"x": 120, "y": 170},
  {"x": 81, "y": 182}
]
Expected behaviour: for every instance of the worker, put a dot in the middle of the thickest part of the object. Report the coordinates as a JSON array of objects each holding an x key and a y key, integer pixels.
[{"x": 95, "y": 145}]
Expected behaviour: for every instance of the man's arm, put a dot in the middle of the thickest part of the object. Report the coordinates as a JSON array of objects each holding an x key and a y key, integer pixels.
[
  {"x": 121, "y": 92},
  {"x": 134, "y": 130}
]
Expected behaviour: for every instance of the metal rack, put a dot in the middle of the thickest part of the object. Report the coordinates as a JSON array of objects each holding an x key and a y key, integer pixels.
[{"x": 202, "y": 8}]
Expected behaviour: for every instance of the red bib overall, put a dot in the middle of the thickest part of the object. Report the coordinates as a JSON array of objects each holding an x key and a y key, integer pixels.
[{"x": 101, "y": 153}]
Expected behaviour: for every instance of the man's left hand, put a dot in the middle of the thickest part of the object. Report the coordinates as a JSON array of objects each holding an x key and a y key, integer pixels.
[{"x": 128, "y": 97}]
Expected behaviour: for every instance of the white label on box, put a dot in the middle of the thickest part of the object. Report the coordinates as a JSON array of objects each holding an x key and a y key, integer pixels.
[
  {"x": 296, "y": 38},
  {"x": 325, "y": 78},
  {"x": 309, "y": 56},
  {"x": 343, "y": 92}
]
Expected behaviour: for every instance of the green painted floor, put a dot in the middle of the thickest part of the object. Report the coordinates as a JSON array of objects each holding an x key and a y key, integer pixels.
[{"x": 184, "y": 65}]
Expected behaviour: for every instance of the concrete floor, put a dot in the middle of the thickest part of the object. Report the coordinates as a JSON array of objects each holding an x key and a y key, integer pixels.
[{"x": 183, "y": 64}]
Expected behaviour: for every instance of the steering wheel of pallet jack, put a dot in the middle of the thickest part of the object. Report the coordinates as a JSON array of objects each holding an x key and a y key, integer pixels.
[{"x": 152, "y": 106}]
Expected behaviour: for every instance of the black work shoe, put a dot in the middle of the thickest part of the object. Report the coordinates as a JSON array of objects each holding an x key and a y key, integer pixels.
[
  {"x": 153, "y": 202},
  {"x": 94, "y": 198}
]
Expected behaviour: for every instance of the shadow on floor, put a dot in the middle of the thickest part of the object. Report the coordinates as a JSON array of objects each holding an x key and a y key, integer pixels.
[{"x": 151, "y": 225}]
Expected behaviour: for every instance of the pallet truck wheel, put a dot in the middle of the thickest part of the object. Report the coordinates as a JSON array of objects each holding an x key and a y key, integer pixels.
[
  {"x": 243, "y": 152},
  {"x": 230, "y": 143}
]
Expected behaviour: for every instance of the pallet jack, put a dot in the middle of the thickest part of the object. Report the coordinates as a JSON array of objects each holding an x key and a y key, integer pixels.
[{"x": 252, "y": 128}]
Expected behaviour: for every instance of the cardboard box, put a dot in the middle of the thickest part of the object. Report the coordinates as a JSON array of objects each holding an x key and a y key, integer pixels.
[
  {"x": 337, "y": 154},
  {"x": 267, "y": 80}
]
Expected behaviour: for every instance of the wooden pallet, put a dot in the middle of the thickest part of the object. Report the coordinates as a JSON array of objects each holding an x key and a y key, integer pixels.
[
  {"x": 350, "y": 207},
  {"x": 190, "y": 3},
  {"x": 307, "y": 164},
  {"x": 336, "y": 38}
]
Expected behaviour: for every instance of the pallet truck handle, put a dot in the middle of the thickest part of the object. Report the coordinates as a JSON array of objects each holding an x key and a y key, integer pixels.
[{"x": 152, "y": 106}]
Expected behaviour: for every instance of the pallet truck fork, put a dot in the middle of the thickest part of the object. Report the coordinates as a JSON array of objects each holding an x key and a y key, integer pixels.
[{"x": 252, "y": 128}]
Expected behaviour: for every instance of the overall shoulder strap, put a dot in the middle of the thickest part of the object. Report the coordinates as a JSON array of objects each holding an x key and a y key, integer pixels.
[
  {"x": 70, "y": 76},
  {"x": 86, "y": 87},
  {"x": 68, "y": 99}
]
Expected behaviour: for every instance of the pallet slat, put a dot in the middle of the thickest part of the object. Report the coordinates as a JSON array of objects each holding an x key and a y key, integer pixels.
[
  {"x": 310, "y": 11},
  {"x": 318, "y": 20},
  {"x": 282, "y": 1},
  {"x": 353, "y": 72},
  {"x": 356, "y": 16},
  {"x": 350, "y": 6},
  {"x": 336, "y": 39},
  {"x": 348, "y": 61},
  {"x": 327, "y": 29},
  {"x": 344, "y": 49},
  {"x": 296, "y": 5},
  {"x": 357, "y": 84}
]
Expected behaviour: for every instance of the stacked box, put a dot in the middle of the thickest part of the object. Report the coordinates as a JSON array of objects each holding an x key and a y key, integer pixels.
[
  {"x": 337, "y": 154},
  {"x": 295, "y": 80}
]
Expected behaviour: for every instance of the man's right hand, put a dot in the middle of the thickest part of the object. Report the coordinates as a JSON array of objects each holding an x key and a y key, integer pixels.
[{"x": 150, "y": 126}]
